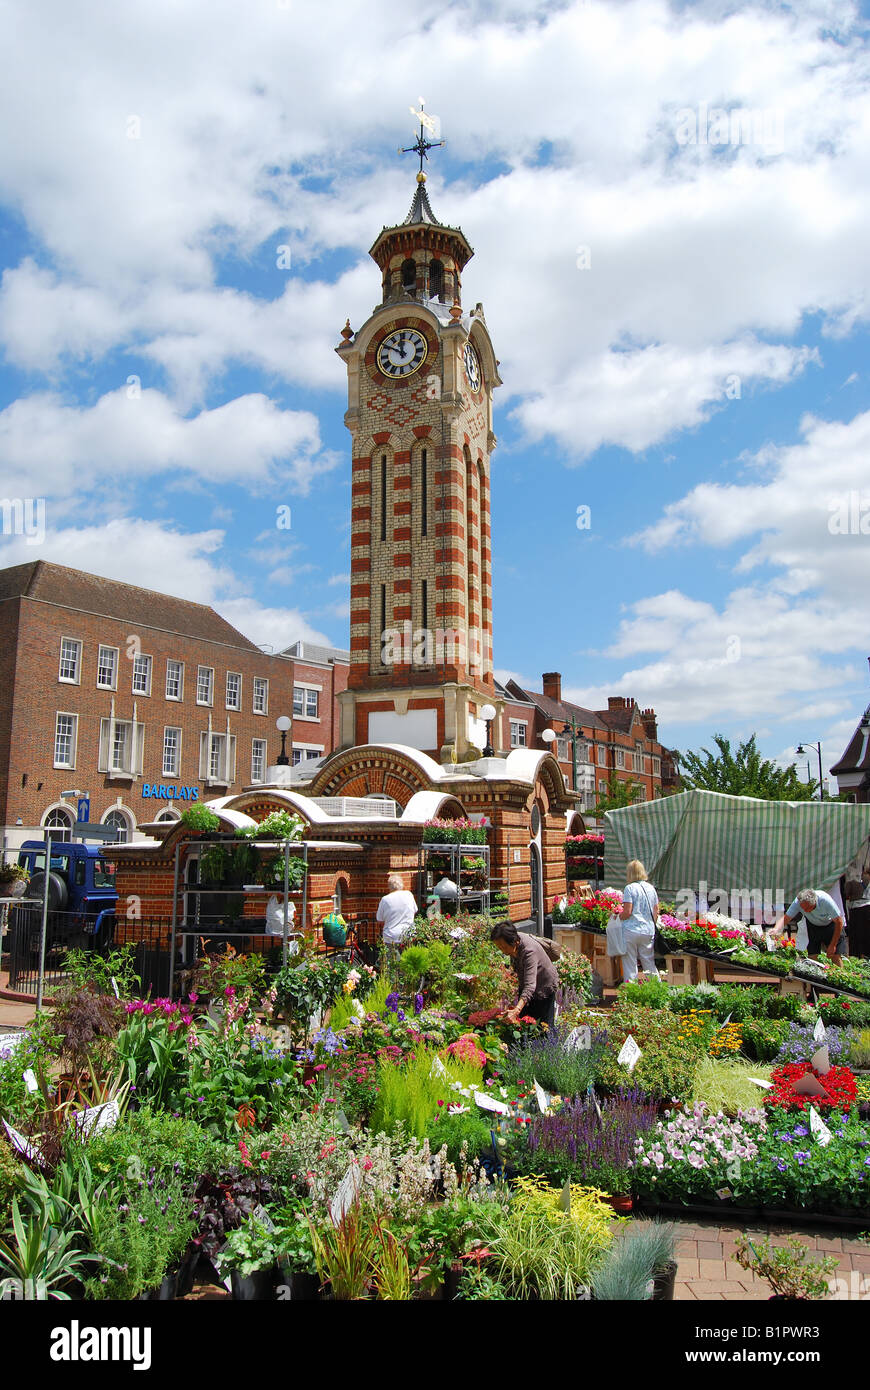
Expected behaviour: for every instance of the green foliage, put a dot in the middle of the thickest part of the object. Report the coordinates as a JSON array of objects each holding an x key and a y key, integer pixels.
[
  {"x": 40, "y": 1256},
  {"x": 763, "y": 1037},
  {"x": 618, "y": 794},
  {"x": 200, "y": 818},
  {"x": 667, "y": 1067},
  {"x": 859, "y": 1050},
  {"x": 305, "y": 986},
  {"x": 786, "y": 1268},
  {"x": 575, "y": 974},
  {"x": 413, "y": 963},
  {"x": 651, "y": 994},
  {"x": 540, "y": 1251},
  {"x": 374, "y": 1002},
  {"x": 726, "y": 1085},
  {"x": 140, "y": 1237},
  {"x": 468, "y": 1128},
  {"x": 10, "y": 1181},
  {"x": 278, "y": 825},
  {"x": 408, "y": 1092},
  {"x": 561, "y": 1071},
  {"x": 229, "y": 1074},
  {"x": 149, "y": 1139},
  {"x": 743, "y": 773},
  {"x": 251, "y": 1247},
  {"x": 214, "y": 862},
  {"x": 87, "y": 969}
]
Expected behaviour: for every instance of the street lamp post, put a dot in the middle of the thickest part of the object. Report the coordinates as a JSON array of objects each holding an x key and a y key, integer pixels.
[
  {"x": 282, "y": 724},
  {"x": 488, "y": 713},
  {"x": 818, "y": 747},
  {"x": 549, "y": 736}
]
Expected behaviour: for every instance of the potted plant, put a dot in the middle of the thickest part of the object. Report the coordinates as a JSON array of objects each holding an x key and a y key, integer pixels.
[
  {"x": 638, "y": 1267},
  {"x": 251, "y": 1256},
  {"x": 786, "y": 1268},
  {"x": 201, "y": 819},
  {"x": 13, "y": 880}
]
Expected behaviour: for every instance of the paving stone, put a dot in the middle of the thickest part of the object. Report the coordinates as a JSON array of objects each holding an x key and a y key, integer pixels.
[
  {"x": 688, "y": 1271},
  {"x": 711, "y": 1269},
  {"x": 689, "y": 1248},
  {"x": 709, "y": 1250}
]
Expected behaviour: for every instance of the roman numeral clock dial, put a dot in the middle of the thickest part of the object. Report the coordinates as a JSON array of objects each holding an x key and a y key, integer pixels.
[{"x": 402, "y": 352}]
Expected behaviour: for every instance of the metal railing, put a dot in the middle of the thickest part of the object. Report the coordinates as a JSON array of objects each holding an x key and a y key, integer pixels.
[{"x": 71, "y": 931}]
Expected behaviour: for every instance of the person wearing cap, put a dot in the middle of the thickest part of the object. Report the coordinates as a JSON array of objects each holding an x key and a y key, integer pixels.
[{"x": 823, "y": 918}]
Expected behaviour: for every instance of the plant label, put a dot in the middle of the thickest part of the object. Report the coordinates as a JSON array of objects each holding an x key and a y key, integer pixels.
[
  {"x": 629, "y": 1054},
  {"x": 18, "y": 1141},
  {"x": 260, "y": 1214},
  {"x": 579, "y": 1039},
  {"x": 437, "y": 1068},
  {"x": 9, "y": 1042},
  {"x": 542, "y": 1098},
  {"x": 342, "y": 1121},
  {"x": 808, "y": 1085},
  {"x": 724, "y": 1193},
  {"x": 757, "y": 1081},
  {"x": 821, "y": 1060},
  {"x": 590, "y": 1091},
  {"x": 358, "y": 1009},
  {"x": 485, "y": 1102},
  {"x": 98, "y": 1117},
  {"x": 115, "y": 988},
  {"x": 768, "y": 943},
  {"x": 346, "y": 1194},
  {"x": 30, "y": 1080},
  {"x": 819, "y": 1128},
  {"x": 819, "y": 1033},
  {"x": 565, "y": 1198}
]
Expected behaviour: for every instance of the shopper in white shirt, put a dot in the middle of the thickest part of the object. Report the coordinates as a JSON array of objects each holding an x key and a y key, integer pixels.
[{"x": 396, "y": 911}]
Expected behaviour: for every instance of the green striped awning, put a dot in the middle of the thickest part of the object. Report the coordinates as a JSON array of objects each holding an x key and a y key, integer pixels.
[{"x": 734, "y": 843}]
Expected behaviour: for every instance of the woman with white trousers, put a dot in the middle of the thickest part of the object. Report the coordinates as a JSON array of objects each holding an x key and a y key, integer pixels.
[{"x": 640, "y": 910}]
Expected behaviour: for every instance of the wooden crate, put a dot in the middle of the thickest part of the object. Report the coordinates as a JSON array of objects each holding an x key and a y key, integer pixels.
[{"x": 688, "y": 970}]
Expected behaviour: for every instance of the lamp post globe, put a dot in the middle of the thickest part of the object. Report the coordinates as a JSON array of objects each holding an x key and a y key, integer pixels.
[{"x": 283, "y": 724}]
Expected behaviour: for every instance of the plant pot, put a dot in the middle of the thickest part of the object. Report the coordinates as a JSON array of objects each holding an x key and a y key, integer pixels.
[
  {"x": 664, "y": 1280},
  {"x": 451, "y": 1281},
  {"x": 15, "y": 888},
  {"x": 257, "y": 1287},
  {"x": 186, "y": 1273},
  {"x": 622, "y": 1205},
  {"x": 299, "y": 1286},
  {"x": 165, "y": 1293}
]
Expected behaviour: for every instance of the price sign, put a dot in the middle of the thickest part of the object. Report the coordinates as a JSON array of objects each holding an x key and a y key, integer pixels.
[
  {"x": 98, "y": 1117},
  {"x": 115, "y": 988},
  {"x": 629, "y": 1054},
  {"x": 757, "y": 1081},
  {"x": 437, "y": 1068},
  {"x": 342, "y": 1121},
  {"x": 819, "y": 1033},
  {"x": 768, "y": 943},
  {"x": 18, "y": 1141},
  {"x": 579, "y": 1039},
  {"x": 9, "y": 1042},
  {"x": 30, "y": 1081},
  {"x": 821, "y": 1060},
  {"x": 819, "y": 1128},
  {"x": 590, "y": 1091}
]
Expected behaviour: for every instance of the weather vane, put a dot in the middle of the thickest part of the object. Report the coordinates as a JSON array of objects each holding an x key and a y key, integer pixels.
[{"x": 422, "y": 145}]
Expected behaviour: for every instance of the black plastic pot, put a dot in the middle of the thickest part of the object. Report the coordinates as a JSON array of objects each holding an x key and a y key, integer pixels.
[
  {"x": 663, "y": 1282},
  {"x": 261, "y": 1286},
  {"x": 186, "y": 1273},
  {"x": 165, "y": 1293},
  {"x": 297, "y": 1286},
  {"x": 452, "y": 1277}
]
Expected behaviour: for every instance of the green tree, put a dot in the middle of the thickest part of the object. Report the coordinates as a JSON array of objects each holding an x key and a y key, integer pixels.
[
  {"x": 618, "y": 794},
  {"x": 742, "y": 773}
]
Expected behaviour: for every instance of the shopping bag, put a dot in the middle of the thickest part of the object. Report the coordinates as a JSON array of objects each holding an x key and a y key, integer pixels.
[{"x": 615, "y": 937}]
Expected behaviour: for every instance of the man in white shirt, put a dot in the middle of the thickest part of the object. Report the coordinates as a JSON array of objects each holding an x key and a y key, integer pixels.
[
  {"x": 823, "y": 918},
  {"x": 396, "y": 911}
]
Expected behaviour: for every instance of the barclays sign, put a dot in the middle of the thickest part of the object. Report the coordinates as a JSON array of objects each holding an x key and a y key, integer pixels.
[{"x": 169, "y": 793}]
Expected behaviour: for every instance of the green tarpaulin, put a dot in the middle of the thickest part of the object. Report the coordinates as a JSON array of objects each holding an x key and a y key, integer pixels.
[{"x": 698, "y": 841}]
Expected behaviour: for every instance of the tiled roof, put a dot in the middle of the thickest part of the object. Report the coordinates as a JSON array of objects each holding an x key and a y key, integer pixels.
[
  {"x": 90, "y": 593},
  {"x": 857, "y": 755},
  {"x": 555, "y": 709}
]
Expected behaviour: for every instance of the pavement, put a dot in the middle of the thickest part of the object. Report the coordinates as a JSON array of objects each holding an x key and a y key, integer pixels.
[
  {"x": 707, "y": 1270},
  {"x": 12, "y": 1013}
]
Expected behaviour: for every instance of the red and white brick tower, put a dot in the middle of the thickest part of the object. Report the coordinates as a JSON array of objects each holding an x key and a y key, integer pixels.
[{"x": 421, "y": 373}]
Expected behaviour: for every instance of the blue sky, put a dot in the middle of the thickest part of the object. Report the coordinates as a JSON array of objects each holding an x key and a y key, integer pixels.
[{"x": 682, "y": 324}]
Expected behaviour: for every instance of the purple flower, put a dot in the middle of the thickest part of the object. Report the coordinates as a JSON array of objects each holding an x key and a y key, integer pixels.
[
  {"x": 401, "y": 1015},
  {"x": 418, "y": 1003},
  {"x": 392, "y": 1002}
]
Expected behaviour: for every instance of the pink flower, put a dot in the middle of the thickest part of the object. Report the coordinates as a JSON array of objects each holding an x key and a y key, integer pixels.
[
  {"x": 367, "y": 1165},
  {"x": 193, "y": 998}
]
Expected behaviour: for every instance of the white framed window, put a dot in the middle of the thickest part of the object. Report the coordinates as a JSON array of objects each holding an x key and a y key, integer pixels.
[
  {"x": 70, "y": 661},
  {"x": 602, "y": 755},
  {"x": 171, "y": 751},
  {"x": 60, "y": 823},
  {"x": 141, "y": 675},
  {"x": 65, "y": 732},
  {"x": 234, "y": 690},
  {"x": 169, "y": 814},
  {"x": 657, "y": 767},
  {"x": 305, "y": 752},
  {"x": 306, "y": 702},
  {"x": 637, "y": 762},
  {"x": 204, "y": 685},
  {"x": 261, "y": 695},
  {"x": 518, "y": 733},
  {"x": 620, "y": 757},
  {"x": 217, "y": 758},
  {"x": 175, "y": 680},
  {"x": 258, "y": 760},
  {"x": 602, "y": 787},
  {"x": 122, "y": 745},
  {"x": 107, "y": 668},
  {"x": 119, "y": 820}
]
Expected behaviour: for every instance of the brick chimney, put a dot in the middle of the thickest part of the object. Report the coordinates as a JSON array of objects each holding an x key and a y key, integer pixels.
[
  {"x": 648, "y": 719},
  {"x": 553, "y": 686},
  {"x": 617, "y": 702}
]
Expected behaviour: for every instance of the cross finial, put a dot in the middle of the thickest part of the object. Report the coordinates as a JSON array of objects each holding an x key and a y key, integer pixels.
[{"x": 422, "y": 145}]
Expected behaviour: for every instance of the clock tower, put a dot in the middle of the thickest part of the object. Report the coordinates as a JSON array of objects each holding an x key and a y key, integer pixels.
[{"x": 421, "y": 372}]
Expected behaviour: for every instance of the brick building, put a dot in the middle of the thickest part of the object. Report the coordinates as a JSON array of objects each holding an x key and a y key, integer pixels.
[
  {"x": 622, "y": 739},
  {"x": 145, "y": 701},
  {"x": 852, "y": 770}
]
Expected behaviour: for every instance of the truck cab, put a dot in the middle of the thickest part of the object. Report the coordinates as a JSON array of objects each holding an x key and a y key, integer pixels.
[{"x": 81, "y": 882}]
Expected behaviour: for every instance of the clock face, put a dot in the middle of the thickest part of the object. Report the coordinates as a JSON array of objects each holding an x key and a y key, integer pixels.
[
  {"x": 472, "y": 366},
  {"x": 402, "y": 352}
]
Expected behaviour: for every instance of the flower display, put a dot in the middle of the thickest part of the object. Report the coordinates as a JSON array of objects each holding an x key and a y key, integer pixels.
[{"x": 838, "y": 1083}]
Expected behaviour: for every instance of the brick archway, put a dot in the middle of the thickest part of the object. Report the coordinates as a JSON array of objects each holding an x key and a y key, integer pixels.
[{"x": 372, "y": 771}]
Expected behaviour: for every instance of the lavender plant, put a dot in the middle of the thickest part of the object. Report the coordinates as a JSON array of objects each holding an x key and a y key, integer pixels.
[{"x": 591, "y": 1148}]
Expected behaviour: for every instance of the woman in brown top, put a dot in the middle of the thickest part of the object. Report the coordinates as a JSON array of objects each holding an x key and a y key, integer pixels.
[{"x": 535, "y": 971}]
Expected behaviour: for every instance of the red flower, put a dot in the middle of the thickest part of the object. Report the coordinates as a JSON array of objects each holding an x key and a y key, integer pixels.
[{"x": 839, "y": 1084}]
